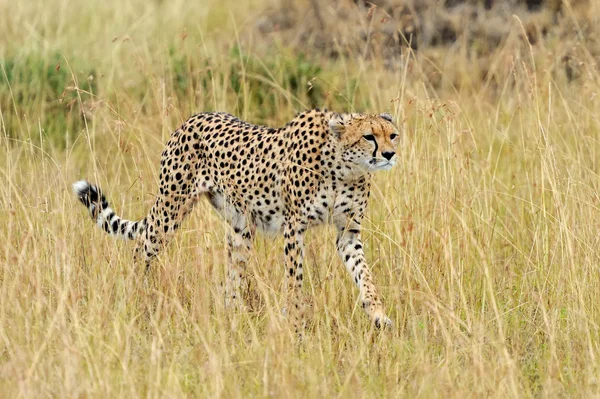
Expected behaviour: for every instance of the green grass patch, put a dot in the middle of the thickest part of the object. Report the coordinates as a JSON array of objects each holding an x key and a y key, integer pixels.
[{"x": 41, "y": 95}]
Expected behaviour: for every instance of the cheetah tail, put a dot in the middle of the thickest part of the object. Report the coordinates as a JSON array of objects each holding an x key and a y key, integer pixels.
[{"x": 104, "y": 216}]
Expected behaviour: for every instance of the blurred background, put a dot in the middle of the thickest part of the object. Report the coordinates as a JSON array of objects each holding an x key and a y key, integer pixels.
[{"x": 254, "y": 57}]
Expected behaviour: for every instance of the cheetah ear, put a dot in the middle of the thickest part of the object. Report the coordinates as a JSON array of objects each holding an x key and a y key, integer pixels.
[
  {"x": 337, "y": 126},
  {"x": 387, "y": 117}
]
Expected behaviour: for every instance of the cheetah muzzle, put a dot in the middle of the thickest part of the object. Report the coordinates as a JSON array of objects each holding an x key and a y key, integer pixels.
[{"x": 316, "y": 169}]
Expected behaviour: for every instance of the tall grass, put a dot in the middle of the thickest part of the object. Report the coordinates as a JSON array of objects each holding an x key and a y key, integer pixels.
[{"x": 483, "y": 240}]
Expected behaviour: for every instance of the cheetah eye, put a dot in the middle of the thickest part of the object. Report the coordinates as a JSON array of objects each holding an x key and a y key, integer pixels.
[
  {"x": 369, "y": 137},
  {"x": 393, "y": 136}
]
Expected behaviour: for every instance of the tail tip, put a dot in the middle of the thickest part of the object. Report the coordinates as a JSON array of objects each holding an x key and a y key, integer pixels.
[{"x": 81, "y": 187}]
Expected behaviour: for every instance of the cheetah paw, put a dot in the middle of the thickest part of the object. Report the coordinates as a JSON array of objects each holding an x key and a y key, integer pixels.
[{"x": 382, "y": 322}]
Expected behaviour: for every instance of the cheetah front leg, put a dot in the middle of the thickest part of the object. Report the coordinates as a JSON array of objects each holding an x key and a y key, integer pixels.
[
  {"x": 293, "y": 234},
  {"x": 350, "y": 249}
]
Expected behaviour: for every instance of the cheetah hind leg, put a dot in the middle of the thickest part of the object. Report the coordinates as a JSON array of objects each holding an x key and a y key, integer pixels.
[
  {"x": 163, "y": 221},
  {"x": 239, "y": 247},
  {"x": 237, "y": 285}
]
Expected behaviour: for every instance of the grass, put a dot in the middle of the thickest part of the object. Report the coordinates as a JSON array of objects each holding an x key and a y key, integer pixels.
[{"x": 483, "y": 240}]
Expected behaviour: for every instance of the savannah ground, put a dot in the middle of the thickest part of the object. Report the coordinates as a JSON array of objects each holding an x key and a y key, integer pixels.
[{"x": 483, "y": 239}]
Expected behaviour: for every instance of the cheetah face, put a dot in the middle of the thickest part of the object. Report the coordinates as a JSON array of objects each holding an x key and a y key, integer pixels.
[{"x": 369, "y": 141}]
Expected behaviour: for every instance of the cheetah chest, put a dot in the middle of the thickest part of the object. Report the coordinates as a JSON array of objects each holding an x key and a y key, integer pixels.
[{"x": 268, "y": 214}]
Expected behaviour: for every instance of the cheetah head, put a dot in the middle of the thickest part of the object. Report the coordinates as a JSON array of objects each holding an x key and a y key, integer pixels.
[{"x": 368, "y": 141}]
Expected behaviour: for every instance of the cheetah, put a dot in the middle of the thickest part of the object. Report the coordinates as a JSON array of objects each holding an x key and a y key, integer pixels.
[{"x": 316, "y": 169}]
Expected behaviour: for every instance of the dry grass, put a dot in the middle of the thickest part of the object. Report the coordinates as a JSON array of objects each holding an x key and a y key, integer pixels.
[{"x": 483, "y": 240}]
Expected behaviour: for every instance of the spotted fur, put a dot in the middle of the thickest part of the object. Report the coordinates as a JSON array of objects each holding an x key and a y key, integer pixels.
[{"x": 316, "y": 169}]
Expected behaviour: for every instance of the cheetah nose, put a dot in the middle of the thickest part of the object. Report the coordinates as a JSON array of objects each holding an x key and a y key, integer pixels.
[{"x": 388, "y": 155}]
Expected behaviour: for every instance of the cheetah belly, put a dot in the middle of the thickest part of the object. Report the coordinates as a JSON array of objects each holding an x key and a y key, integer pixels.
[
  {"x": 320, "y": 209},
  {"x": 271, "y": 227},
  {"x": 269, "y": 218}
]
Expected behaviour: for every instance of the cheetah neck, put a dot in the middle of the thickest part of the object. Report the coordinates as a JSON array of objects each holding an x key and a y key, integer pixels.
[{"x": 348, "y": 172}]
